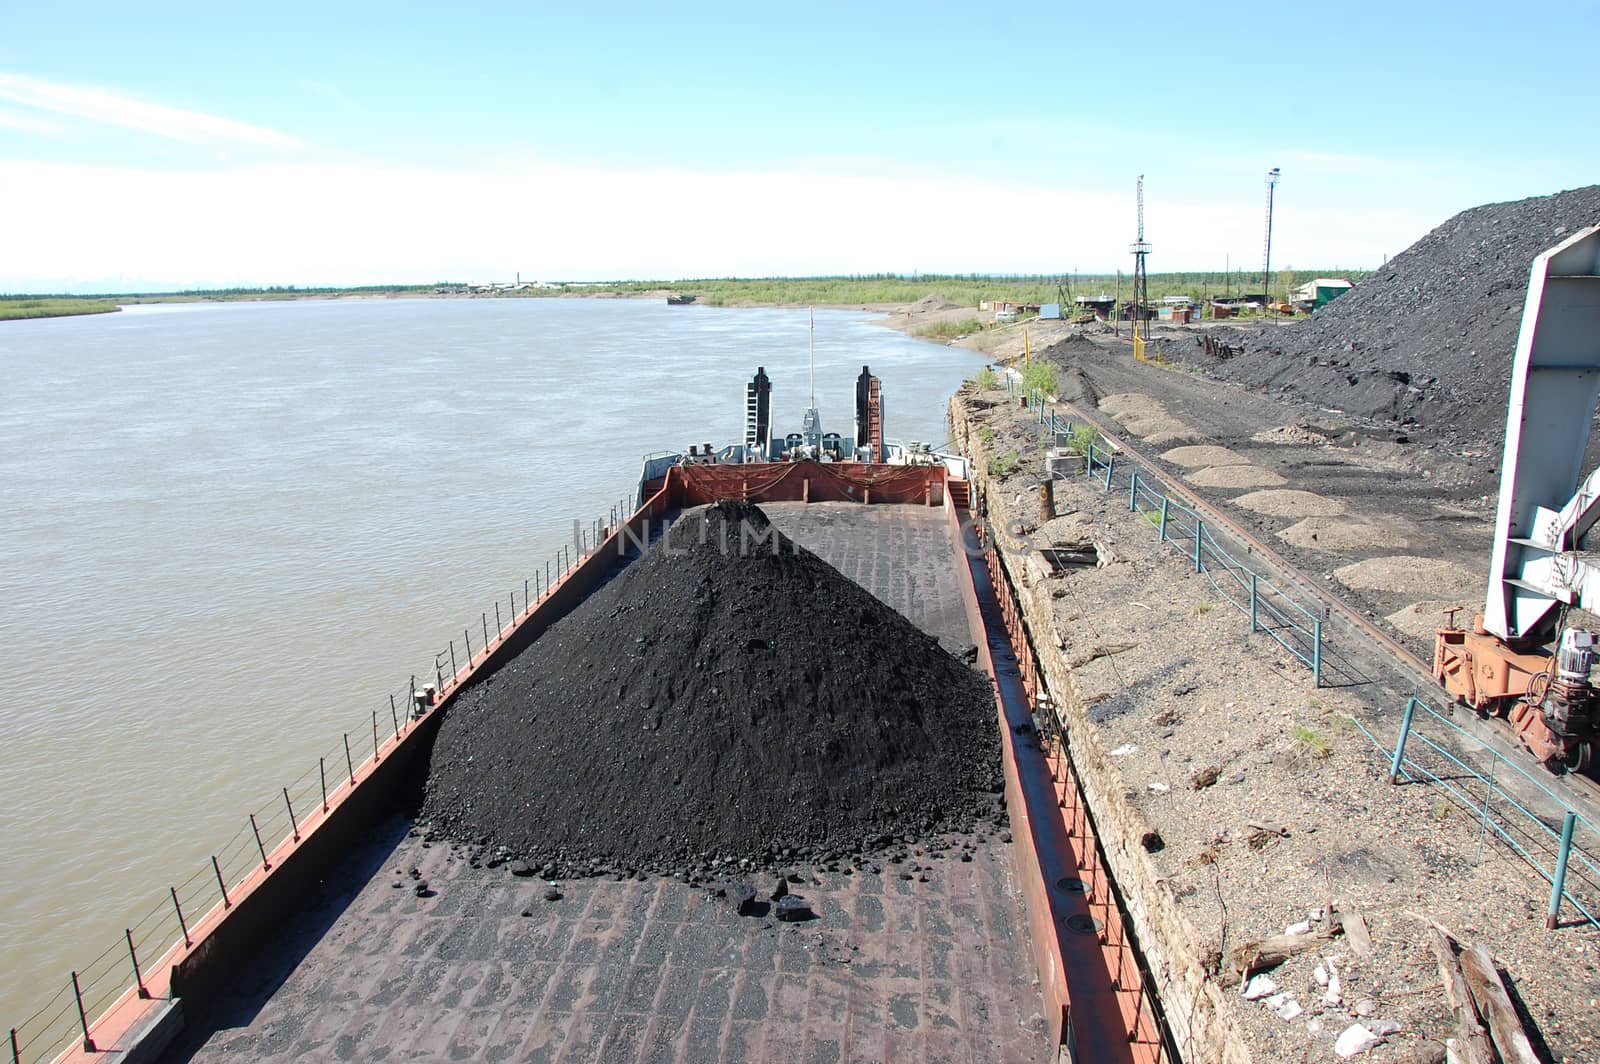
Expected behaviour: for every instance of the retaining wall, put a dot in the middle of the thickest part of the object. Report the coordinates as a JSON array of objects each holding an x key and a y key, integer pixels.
[{"x": 1199, "y": 1010}]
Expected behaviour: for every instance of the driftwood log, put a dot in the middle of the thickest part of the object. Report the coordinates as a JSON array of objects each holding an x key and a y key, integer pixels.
[
  {"x": 1260, "y": 955},
  {"x": 1495, "y": 1005},
  {"x": 1472, "y": 1044}
]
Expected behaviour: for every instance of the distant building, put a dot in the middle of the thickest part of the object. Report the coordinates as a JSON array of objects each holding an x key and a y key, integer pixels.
[{"x": 1314, "y": 295}]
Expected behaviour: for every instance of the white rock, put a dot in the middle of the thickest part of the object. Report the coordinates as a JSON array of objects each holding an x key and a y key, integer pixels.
[
  {"x": 1124, "y": 750},
  {"x": 1259, "y": 987},
  {"x": 1320, "y": 974},
  {"x": 1302, "y": 927},
  {"x": 1318, "y": 915},
  {"x": 1384, "y": 1028},
  {"x": 1354, "y": 1039},
  {"x": 1366, "y": 1007},
  {"x": 1332, "y": 996},
  {"x": 1284, "y": 1005},
  {"x": 1159, "y": 788}
]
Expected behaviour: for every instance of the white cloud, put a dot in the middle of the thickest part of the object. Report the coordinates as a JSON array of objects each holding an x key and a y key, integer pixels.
[
  {"x": 345, "y": 224},
  {"x": 28, "y": 123},
  {"x": 110, "y": 108}
]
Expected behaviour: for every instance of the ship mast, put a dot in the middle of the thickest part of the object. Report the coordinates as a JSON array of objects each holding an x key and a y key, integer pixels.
[{"x": 811, "y": 354}]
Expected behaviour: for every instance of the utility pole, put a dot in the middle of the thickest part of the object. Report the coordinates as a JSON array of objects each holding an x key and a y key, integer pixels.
[{"x": 1266, "y": 261}]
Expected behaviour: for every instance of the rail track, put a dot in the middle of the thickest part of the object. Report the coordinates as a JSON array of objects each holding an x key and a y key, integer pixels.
[{"x": 1408, "y": 674}]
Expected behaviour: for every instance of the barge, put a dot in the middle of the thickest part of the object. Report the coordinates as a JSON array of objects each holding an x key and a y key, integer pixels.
[{"x": 357, "y": 937}]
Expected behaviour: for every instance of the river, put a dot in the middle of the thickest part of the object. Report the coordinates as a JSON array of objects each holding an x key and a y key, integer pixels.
[{"x": 230, "y": 531}]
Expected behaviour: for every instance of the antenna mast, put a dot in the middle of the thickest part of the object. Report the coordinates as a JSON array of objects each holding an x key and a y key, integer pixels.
[
  {"x": 1266, "y": 254},
  {"x": 1141, "y": 281},
  {"x": 811, "y": 354}
]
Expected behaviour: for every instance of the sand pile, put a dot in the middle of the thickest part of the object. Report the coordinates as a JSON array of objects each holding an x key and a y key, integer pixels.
[
  {"x": 1290, "y": 502},
  {"x": 1408, "y": 575},
  {"x": 714, "y": 704},
  {"x": 1335, "y": 533},
  {"x": 1204, "y": 454},
  {"x": 1235, "y": 477}
]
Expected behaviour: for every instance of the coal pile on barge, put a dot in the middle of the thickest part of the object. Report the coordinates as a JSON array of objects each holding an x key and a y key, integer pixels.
[
  {"x": 729, "y": 697},
  {"x": 1428, "y": 339}
]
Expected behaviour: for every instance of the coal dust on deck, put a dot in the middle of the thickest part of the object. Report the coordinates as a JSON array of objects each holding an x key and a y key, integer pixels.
[{"x": 912, "y": 953}]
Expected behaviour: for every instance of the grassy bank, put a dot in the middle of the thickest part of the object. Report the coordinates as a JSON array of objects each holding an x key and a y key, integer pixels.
[
  {"x": 12, "y": 309},
  {"x": 964, "y": 289},
  {"x": 856, "y": 290}
]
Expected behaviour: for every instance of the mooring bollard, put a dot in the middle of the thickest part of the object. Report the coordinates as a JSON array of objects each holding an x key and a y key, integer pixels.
[{"x": 1558, "y": 882}]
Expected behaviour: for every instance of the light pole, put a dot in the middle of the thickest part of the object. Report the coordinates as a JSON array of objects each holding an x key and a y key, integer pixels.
[{"x": 1266, "y": 258}]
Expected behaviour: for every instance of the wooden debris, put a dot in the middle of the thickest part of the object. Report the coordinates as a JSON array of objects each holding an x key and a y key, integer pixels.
[
  {"x": 1355, "y": 933},
  {"x": 1262, "y": 834},
  {"x": 1098, "y": 651},
  {"x": 1472, "y": 1045},
  {"x": 1258, "y": 956},
  {"x": 1495, "y": 1006}
]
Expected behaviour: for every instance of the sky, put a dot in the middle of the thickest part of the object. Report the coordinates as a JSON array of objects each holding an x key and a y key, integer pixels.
[{"x": 181, "y": 145}]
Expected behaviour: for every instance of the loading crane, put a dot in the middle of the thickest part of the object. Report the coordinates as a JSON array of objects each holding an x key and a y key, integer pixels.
[{"x": 1522, "y": 659}]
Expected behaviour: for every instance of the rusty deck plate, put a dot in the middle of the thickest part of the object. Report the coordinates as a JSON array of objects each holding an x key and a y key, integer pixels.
[{"x": 933, "y": 967}]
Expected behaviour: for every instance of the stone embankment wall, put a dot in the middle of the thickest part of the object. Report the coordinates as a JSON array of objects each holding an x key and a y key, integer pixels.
[{"x": 1183, "y": 962}]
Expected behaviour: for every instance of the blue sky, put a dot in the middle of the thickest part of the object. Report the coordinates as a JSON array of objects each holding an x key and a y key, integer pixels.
[{"x": 189, "y": 144}]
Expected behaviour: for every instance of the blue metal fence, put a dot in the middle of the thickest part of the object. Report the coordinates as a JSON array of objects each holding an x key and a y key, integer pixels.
[
  {"x": 1271, "y": 610},
  {"x": 1557, "y": 846}
]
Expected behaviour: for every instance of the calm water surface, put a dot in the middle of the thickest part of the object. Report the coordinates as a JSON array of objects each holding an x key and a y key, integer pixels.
[{"x": 228, "y": 531}]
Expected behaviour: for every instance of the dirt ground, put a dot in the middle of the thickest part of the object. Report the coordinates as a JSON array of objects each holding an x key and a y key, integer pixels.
[
  {"x": 1215, "y": 730},
  {"x": 1332, "y": 491}
]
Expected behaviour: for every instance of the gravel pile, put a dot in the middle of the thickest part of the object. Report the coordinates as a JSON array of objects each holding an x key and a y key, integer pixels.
[
  {"x": 1428, "y": 340},
  {"x": 712, "y": 707}
]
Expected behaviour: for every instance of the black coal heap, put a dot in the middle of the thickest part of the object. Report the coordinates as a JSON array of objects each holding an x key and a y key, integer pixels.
[{"x": 729, "y": 696}]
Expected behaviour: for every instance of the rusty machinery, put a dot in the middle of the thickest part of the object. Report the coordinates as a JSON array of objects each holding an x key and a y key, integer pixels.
[{"x": 1521, "y": 659}]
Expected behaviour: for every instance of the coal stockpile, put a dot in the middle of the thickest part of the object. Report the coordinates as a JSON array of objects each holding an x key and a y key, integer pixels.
[
  {"x": 1427, "y": 341},
  {"x": 728, "y": 698}
]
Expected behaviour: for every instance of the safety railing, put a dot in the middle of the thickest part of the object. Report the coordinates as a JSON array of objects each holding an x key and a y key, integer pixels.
[
  {"x": 1149, "y": 1028},
  {"x": 69, "y": 1016},
  {"x": 1558, "y": 847},
  {"x": 1271, "y": 610},
  {"x": 1556, "y": 843}
]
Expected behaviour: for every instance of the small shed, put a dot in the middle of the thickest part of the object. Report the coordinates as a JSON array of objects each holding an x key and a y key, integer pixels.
[{"x": 1318, "y": 293}]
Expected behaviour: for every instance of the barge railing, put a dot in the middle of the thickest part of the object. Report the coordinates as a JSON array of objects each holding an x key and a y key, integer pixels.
[{"x": 70, "y": 1018}]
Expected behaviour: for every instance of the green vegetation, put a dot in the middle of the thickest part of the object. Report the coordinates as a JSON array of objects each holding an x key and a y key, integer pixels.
[
  {"x": 1039, "y": 376},
  {"x": 12, "y": 307},
  {"x": 1309, "y": 743},
  {"x": 950, "y": 330},
  {"x": 1083, "y": 436},
  {"x": 860, "y": 290},
  {"x": 1202, "y": 608},
  {"x": 1005, "y": 465},
  {"x": 986, "y": 434},
  {"x": 986, "y": 380}
]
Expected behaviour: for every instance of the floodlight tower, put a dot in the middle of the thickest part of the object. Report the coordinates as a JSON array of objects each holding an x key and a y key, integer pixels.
[
  {"x": 1141, "y": 281},
  {"x": 1266, "y": 257}
]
